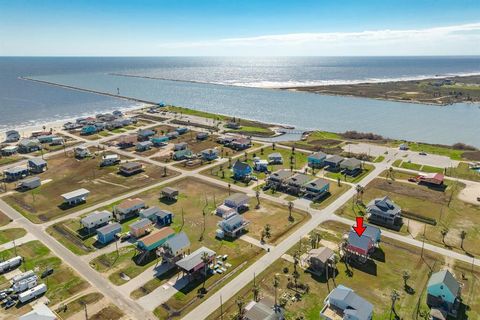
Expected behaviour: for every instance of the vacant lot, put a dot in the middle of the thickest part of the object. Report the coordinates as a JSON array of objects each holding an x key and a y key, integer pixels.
[
  {"x": 373, "y": 281},
  {"x": 320, "y": 141},
  {"x": 62, "y": 284},
  {"x": 7, "y": 235},
  {"x": 4, "y": 220},
  {"x": 10, "y": 159},
  {"x": 72, "y": 307},
  {"x": 67, "y": 174}
]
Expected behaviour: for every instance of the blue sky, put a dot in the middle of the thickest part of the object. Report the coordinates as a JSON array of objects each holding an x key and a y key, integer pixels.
[{"x": 204, "y": 27}]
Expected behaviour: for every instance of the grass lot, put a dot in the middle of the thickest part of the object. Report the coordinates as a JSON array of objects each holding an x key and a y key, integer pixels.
[
  {"x": 254, "y": 131},
  {"x": 10, "y": 159},
  {"x": 379, "y": 159},
  {"x": 78, "y": 304},
  {"x": 299, "y": 161},
  {"x": 397, "y": 163},
  {"x": 335, "y": 192},
  {"x": 320, "y": 141},
  {"x": 373, "y": 281},
  {"x": 411, "y": 166},
  {"x": 367, "y": 168},
  {"x": 463, "y": 172},
  {"x": 419, "y": 199},
  {"x": 46, "y": 148},
  {"x": 66, "y": 232},
  {"x": 67, "y": 174},
  {"x": 109, "y": 312},
  {"x": 62, "y": 284},
  {"x": 4, "y": 219},
  {"x": 436, "y": 149},
  {"x": 7, "y": 235}
]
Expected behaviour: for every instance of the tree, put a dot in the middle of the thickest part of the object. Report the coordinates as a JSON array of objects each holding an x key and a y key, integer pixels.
[
  {"x": 276, "y": 284},
  {"x": 245, "y": 156},
  {"x": 273, "y": 146},
  {"x": 266, "y": 233},
  {"x": 444, "y": 233},
  {"x": 293, "y": 149},
  {"x": 406, "y": 276},
  {"x": 229, "y": 162},
  {"x": 463, "y": 235},
  {"x": 290, "y": 207},
  {"x": 295, "y": 276},
  {"x": 394, "y": 297},
  {"x": 359, "y": 190},
  {"x": 255, "y": 291},
  {"x": 257, "y": 195},
  {"x": 205, "y": 260},
  {"x": 261, "y": 151},
  {"x": 241, "y": 308}
]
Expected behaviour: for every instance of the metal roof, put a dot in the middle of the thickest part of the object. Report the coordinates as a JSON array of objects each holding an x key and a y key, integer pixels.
[
  {"x": 444, "y": 277},
  {"x": 141, "y": 224},
  {"x": 237, "y": 198},
  {"x": 37, "y": 162},
  {"x": 97, "y": 215},
  {"x": 126, "y": 204},
  {"x": 75, "y": 194},
  {"x": 357, "y": 306},
  {"x": 157, "y": 236},
  {"x": 318, "y": 155},
  {"x": 177, "y": 242},
  {"x": 130, "y": 165},
  {"x": 299, "y": 179},
  {"x": 109, "y": 228},
  {"x": 335, "y": 159},
  {"x": 194, "y": 259},
  {"x": 317, "y": 183}
]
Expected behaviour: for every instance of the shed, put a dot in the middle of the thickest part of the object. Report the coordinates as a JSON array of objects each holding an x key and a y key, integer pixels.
[
  {"x": 76, "y": 196},
  {"x": 155, "y": 240},
  {"x": 107, "y": 233},
  {"x": 140, "y": 227}
]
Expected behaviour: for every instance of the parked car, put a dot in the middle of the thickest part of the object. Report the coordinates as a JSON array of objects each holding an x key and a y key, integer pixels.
[
  {"x": 47, "y": 272},
  {"x": 412, "y": 179},
  {"x": 9, "y": 304},
  {"x": 422, "y": 153},
  {"x": 3, "y": 295},
  {"x": 125, "y": 237}
]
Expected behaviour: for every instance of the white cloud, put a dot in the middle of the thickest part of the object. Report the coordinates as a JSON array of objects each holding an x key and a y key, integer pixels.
[{"x": 457, "y": 39}]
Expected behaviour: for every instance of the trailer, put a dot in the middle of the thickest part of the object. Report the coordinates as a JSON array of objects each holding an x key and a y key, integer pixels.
[
  {"x": 32, "y": 293},
  {"x": 10, "y": 264},
  {"x": 22, "y": 276},
  {"x": 25, "y": 284}
]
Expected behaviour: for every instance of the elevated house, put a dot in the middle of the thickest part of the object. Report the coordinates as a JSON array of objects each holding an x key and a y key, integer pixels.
[
  {"x": 275, "y": 158},
  {"x": 128, "y": 208},
  {"x": 175, "y": 248},
  {"x": 320, "y": 259},
  {"x": 384, "y": 211},
  {"x": 180, "y": 146},
  {"x": 277, "y": 179},
  {"x": 140, "y": 228},
  {"x": 344, "y": 303},
  {"x": 232, "y": 227},
  {"x": 29, "y": 145},
  {"x": 225, "y": 211},
  {"x": 317, "y": 160},
  {"x": 109, "y": 160},
  {"x": 156, "y": 239},
  {"x": 149, "y": 213},
  {"x": 182, "y": 154},
  {"x": 81, "y": 152},
  {"x": 29, "y": 183},
  {"x": 260, "y": 165},
  {"x": 57, "y": 141},
  {"x": 126, "y": 141},
  {"x": 89, "y": 129},
  {"x": 241, "y": 170},
  {"x": 364, "y": 245},
  {"x": 295, "y": 184},
  {"x": 16, "y": 173},
  {"x": 164, "y": 218},
  {"x": 193, "y": 264},
  {"x": 37, "y": 165},
  {"x": 172, "y": 135},
  {"x": 443, "y": 294},
  {"x": 131, "y": 168},
  {"x": 39, "y": 133},
  {"x": 170, "y": 193},
  {"x": 316, "y": 189},
  {"x": 48, "y": 138},
  {"x": 159, "y": 141},
  {"x": 237, "y": 201},
  {"x": 209, "y": 154},
  {"x": 9, "y": 150},
  {"x": 75, "y": 197},
  {"x": 181, "y": 130},
  {"x": 202, "y": 136},
  {"x": 144, "y": 146},
  {"x": 351, "y": 166},
  {"x": 144, "y": 135},
  {"x": 12, "y": 136},
  {"x": 96, "y": 219},
  {"x": 241, "y": 144},
  {"x": 108, "y": 233},
  {"x": 332, "y": 163}
]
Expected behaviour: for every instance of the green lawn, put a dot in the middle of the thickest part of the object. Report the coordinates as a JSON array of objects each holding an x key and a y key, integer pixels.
[
  {"x": 462, "y": 171},
  {"x": 435, "y": 149},
  {"x": 411, "y": 166},
  {"x": 4, "y": 219},
  {"x": 78, "y": 304},
  {"x": 379, "y": 159},
  {"x": 7, "y": 235},
  {"x": 9, "y": 159}
]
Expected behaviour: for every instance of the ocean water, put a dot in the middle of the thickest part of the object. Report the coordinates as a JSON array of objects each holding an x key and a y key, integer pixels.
[{"x": 227, "y": 86}]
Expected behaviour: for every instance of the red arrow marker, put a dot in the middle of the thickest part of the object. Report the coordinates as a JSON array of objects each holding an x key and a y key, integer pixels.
[{"x": 359, "y": 229}]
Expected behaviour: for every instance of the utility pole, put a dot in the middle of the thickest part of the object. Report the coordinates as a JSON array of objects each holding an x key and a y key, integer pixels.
[{"x": 221, "y": 308}]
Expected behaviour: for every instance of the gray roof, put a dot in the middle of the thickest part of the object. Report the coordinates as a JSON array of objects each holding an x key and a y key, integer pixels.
[
  {"x": 97, "y": 215},
  {"x": 237, "y": 198},
  {"x": 239, "y": 165},
  {"x": 194, "y": 259},
  {"x": 178, "y": 242},
  {"x": 109, "y": 228},
  {"x": 281, "y": 174},
  {"x": 299, "y": 179},
  {"x": 141, "y": 223},
  {"x": 384, "y": 205},
  {"x": 351, "y": 162},
  {"x": 163, "y": 213},
  {"x": 335, "y": 159},
  {"x": 372, "y": 232},
  {"x": 170, "y": 191},
  {"x": 145, "y": 143},
  {"x": 357, "y": 306},
  {"x": 232, "y": 221},
  {"x": 275, "y": 155},
  {"x": 31, "y": 179},
  {"x": 16, "y": 170},
  {"x": 262, "y": 310},
  {"x": 37, "y": 162},
  {"x": 76, "y": 193},
  {"x": 322, "y": 254},
  {"x": 317, "y": 183},
  {"x": 446, "y": 278},
  {"x": 318, "y": 155},
  {"x": 359, "y": 242},
  {"x": 130, "y": 165},
  {"x": 150, "y": 211}
]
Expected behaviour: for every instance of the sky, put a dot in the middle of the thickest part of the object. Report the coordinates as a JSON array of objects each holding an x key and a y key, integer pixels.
[{"x": 239, "y": 28}]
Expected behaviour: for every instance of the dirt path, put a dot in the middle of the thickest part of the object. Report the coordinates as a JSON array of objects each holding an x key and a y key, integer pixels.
[{"x": 470, "y": 193}]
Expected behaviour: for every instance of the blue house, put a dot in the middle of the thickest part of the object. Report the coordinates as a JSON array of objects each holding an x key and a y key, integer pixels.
[
  {"x": 144, "y": 146},
  {"x": 241, "y": 170},
  {"x": 107, "y": 233},
  {"x": 317, "y": 188},
  {"x": 15, "y": 173},
  {"x": 333, "y": 163},
  {"x": 159, "y": 140},
  {"x": 164, "y": 218},
  {"x": 316, "y": 160},
  {"x": 182, "y": 130},
  {"x": 182, "y": 154},
  {"x": 150, "y": 213},
  {"x": 209, "y": 154},
  {"x": 443, "y": 292},
  {"x": 37, "y": 165},
  {"x": 89, "y": 129},
  {"x": 145, "y": 134},
  {"x": 46, "y": 138}
]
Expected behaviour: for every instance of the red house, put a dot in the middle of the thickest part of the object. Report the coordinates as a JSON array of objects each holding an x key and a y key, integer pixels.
[{"x": 431, "y": 178}]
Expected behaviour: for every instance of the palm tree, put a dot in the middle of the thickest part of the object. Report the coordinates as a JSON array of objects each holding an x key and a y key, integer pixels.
[
  {"x": 273, "y": 146},
  {"x": 266, "y": 233},
  {"x": 318, "y": 238},
  {"x": 394, "y": 297},
  {"x": 463, "y": 235},
  {"x": 359, "y": 190},
  {"x": 257, "y": 195},
  {"x": 444, "y": 233},
  {"x": 255, "y": 291},
  {"x": 261, "y": 151},
  {"x": 293, "y": 149},
  {"x": 241, "y": 308},
  {"x": 276, "y": 284},
  {"x": 406, "y": 276},
  {"x": 205, "y": 260},
  {"x": 290, "y": 207},
  {"x": 295, "y": 276}
]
